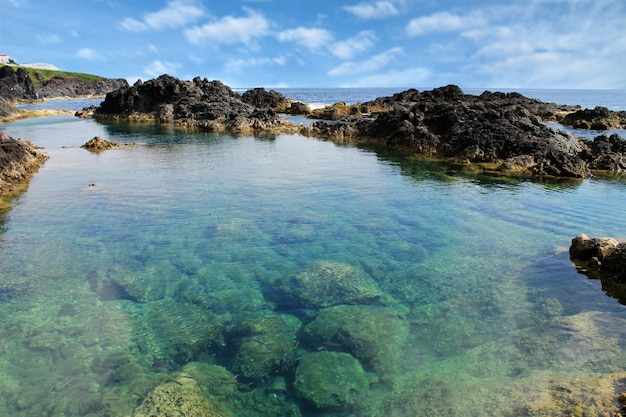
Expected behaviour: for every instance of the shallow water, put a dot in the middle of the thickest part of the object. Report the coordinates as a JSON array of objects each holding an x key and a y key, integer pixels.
[{"x": 122, "y": 267}]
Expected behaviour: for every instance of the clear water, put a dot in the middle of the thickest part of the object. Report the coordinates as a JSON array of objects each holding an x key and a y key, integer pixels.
[{"x": 121, "y": 268}]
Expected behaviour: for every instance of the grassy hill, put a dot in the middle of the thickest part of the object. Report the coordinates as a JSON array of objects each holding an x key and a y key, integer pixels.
[{"x": 40, "y": 76}]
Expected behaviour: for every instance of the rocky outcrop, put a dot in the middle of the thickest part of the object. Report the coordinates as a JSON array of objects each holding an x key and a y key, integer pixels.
[
  {"x": 19, "y": 159},
  {"x": 98, "y": 144},
  {"x": 263, "y": 99},
  {"x": 498, "y": 131},
  {"x": 16, "y": 85},
  {"x": 599, "y": 118},
  {"x": 607, "y": 153},
  {"x": 604, "y": 255},
  {"x": 197, "y": 104},
  {"x": 64, "y": 86}
]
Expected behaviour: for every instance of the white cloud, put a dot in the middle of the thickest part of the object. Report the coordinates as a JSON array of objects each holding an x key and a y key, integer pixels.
[
  {"x": 157, "y": 68},
  {"x": 177, "y": 13},
  {"x": 230, "y": 30},
  {"x": 88, "y": 53},
  {"x": 372, "y": 64},
  {"x": 376, "y": 10},
  {"x": 311, "y": 38},
  {"x": 48, "y": 39},
  {"x": 444, "y": 22},
  {"x": 350, "y": 47},
  {"x": 238, "y": 64}
]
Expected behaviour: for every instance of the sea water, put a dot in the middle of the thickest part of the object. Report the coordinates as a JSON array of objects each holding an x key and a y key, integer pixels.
[{"x": 182, "y": 251}]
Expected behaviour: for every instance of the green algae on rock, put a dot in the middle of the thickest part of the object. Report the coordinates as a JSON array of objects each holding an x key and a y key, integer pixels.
[
  {"x": 375, "y": 335},
  {"x": 331, "y": 379},
  {"x": 325, "y": 284},
  {"x": 265, "y": 345}
]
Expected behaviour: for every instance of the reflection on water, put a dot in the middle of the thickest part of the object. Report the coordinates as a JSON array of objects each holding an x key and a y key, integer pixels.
[{"x": 290, "y": 276}]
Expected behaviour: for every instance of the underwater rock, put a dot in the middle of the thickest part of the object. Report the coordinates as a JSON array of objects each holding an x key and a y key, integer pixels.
[
  {"x": 331, "y": 379},
  {"x": 97, "y": 144},
  {"x": 265, "y": 345},
  {"x": 375, "y": 335},
  {"x": 174, "y": 333},
  {"x": 181, "y": 395},
  {"x": 325, "y": 284}
]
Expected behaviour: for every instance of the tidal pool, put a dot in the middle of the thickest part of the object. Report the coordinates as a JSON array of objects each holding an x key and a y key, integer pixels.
[{"x": 213, "y": 270}]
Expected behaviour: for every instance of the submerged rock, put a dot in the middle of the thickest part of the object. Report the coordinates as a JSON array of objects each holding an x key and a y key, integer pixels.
[
  {"x": 324, "y": 284},
  {"x": 331, "y": 379},
  {"x": 265, "y": 345},
  {"x": 375, "y": 335},
  {"x": 183, "y": 394}
]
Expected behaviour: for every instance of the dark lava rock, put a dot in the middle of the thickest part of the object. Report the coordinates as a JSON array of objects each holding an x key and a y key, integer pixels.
[
  {"x": 202, "y": 104},
  {"x": 19, "y": 159},
  {"x": 606, "y": 153},
  {"x": 500, "y": 131},
  {"x": 274, "y": 100},
  {"x": 16, "y": 85},
  {"x": 599, "y": 118},
  {"x": 65, "y": 86}
]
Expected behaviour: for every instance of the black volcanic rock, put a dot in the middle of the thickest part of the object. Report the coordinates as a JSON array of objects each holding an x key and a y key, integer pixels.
[
  {"x": 263, "y": 99},
  {"x": 16, "y": 85},
  {"x": 607, "y": 153},
  {"x": 498, "y": 130},
  {"x": 201, "y": 104},
  {"x": 62, "y": 86}
]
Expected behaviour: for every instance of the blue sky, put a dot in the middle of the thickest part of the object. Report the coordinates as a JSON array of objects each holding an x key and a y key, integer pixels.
[{"x": 328, "y": 43}]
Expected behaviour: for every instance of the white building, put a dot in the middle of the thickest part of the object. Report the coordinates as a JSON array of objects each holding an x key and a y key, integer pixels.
[
  {"x": 4, "y": 59},
  {"x": 41, "y": 65}
]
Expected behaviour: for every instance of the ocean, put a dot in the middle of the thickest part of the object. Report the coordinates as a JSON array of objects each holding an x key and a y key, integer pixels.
[{"x": 291, "y": 276}]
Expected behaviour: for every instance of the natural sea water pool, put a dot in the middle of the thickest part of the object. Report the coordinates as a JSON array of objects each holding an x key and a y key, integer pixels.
[{"x": 227, "y": 254}]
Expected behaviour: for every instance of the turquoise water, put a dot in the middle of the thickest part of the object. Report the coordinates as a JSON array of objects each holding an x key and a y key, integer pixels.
[{"x": 233, "y": 258}]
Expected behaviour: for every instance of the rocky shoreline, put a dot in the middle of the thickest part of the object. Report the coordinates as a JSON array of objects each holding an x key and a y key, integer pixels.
[{"x": 496, "y": 131}]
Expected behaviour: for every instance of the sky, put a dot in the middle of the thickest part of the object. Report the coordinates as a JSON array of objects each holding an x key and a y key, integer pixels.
[{"x": 546, "y": 44}]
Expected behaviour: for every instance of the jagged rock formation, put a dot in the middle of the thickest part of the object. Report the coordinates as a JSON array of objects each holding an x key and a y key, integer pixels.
[
  {"x": 499, "y": 131},
  {"x": 19, "y": 159},
  {"x": 198, "y": 104},
  {"x": 61, "y": 86},
  {"x": 274, "y": 100}
]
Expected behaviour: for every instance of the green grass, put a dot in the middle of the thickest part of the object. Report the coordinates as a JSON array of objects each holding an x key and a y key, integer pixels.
[{"x": 39, "y": 76}]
